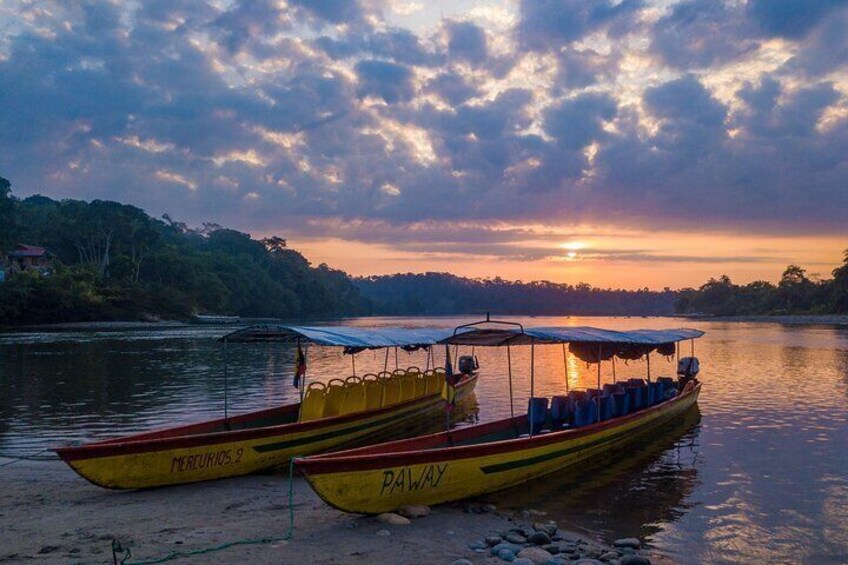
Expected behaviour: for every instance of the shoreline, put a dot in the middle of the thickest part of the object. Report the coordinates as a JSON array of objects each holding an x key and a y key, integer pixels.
[
  {"x": 787, "y": 319},
  {"x": 50, "y": 514}
]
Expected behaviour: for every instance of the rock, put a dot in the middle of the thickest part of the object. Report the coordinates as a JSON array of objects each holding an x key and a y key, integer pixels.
[
  {"x": 551, "y": 548},
  {"x": 462, "y": 562},
  {"x": 513, "y": 537},
  {"x": 592, "y": 552},
  {"x": 493, "y": 540},
  {"x": 539, "y": 538},
  {"x": 505, "y": 545},
  {"x": 628, "y": 542},
  {"x": 628, "y": 551},
  {"x": 550, "y": 528},
  {"x": 523, "y": 561},
  {"x": 609, "y": 556},
  {"x": 634, "y": 560},
  {"x": 477, "y": 546},
  {"x": 506, "y": 555},
  {"x": 488, "y": 508},
  {"x": 393, "y": 519},
  {"x": 414, "y": 511},
  {"x": 384, "y": 533},
  {"x": 587, "y": 561},
  {"x": 535, "y": 554}
]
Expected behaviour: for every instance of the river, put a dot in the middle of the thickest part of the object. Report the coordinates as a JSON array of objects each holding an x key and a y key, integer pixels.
[{"x": 759, "y": 472}]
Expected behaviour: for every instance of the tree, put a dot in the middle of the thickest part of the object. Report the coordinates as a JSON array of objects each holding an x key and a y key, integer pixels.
[
  {"x": 795, "y": 289},
  {"x": 7, "y": 216}
]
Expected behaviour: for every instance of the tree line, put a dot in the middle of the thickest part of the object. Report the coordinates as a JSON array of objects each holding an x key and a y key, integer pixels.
[
  {"x": 794, "y": 293},
  {"x": 112, "y": 261}
]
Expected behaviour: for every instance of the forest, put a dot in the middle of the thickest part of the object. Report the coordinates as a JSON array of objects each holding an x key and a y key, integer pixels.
[{"x": 112, "y": 261}]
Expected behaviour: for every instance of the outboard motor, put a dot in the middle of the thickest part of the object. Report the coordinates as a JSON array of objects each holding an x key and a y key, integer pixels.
[
  {"x": 687, "y": 370},
  {"x": 468, "y": 364}
]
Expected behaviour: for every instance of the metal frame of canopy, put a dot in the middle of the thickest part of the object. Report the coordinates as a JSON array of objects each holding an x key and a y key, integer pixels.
[
  {"x": 643, "y": 339},
  {"x": 352, "y": 339}
]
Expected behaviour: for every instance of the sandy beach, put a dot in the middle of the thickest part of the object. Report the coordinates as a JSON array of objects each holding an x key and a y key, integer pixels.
[{"x": 49, "y": 515}]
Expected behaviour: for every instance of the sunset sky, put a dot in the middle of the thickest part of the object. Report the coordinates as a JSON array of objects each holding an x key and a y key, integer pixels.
[{"x": 620, "y": 143}]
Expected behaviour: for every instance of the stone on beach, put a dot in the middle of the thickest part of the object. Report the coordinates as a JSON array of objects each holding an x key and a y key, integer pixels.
[
  {"x": 539, "y": 538},
  {"x": 549, "y": 528},
  {"x": 493, "y": 540},
  {"x": 535, "y": 554},
  {"x": 506, "y": 555},
  {"x": 628, "y": 542},
  {"x": 513, "y": 537},
  {"x": 414, "y": 511},
  {"x": 384, "y": 533},
  {"x": 462, "y": 562},
  {"x": 393, "y": 519}
]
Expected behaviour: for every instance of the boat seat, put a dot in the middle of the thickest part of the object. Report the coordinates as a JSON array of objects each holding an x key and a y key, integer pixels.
[
  {"x": 635, "y": 382},
  {"x": 559, "y": 411},
  {"x": 573, "y": 397},
  {"x": 647, "y": 396},
  {"x": 407, "y": 386},
  {"x": 635, "y": 395},
  {"x": 659, "y": 391},
  {"x": 420, "y": 381},
  {"x": 373, "y": 391},
  {"x": 537, "y": 413},
  {"x": 433, "y": 380},
  {"x": 621, "y": 401},
  {"x": 391, "y": 389},
  {"x": 593, "y": 392},
  {"x": 312, "y": 407},
  {"x": 586, "y": 413},
  {"x": 606, "y": 406},
  {"x": 334, "y": 397},
  {"x": 610, "y": 388},
  {"x": 354, "y": 398}
]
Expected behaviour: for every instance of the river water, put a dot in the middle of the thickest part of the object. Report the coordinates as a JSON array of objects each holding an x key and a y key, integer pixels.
[{"x": 757, "y": 473}]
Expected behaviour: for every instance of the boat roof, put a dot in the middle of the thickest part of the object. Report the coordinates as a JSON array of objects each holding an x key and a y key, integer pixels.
[
  {"x": 358, "y": 338},
  {"x": 342, "y": 336},
  {"x": 569, "y": 334}
]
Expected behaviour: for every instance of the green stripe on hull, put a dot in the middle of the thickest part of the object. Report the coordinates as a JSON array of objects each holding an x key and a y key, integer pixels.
[
  {"x": 280, "y": 445},
  {"x": 529, "y": 461}
]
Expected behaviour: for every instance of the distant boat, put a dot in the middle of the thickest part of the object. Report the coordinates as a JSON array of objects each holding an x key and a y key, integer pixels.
[
  {"x": 361, "y": 410},
  {"x": 216, "y": 319}
]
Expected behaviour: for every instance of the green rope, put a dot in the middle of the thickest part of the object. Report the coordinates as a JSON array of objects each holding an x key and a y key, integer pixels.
[{"x": 118, "y": 548}]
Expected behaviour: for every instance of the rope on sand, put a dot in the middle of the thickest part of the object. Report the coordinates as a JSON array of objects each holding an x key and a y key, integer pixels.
[{"x": 118, "y": 548}]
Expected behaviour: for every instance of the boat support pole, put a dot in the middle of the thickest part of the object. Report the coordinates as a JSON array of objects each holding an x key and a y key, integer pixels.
[
  {"x": 613, "y": 369},
  {"x": 565, "y": 366},
  {"x": 600, "y": 350},
  {"x": 532, "y": 381},
  {"x": 226, "y": 385},
  {"x": 386, "y": 362},
  {"x": 353, "y": 362},
  {"x": 396, "y": 359},
  {"x": 509, "y": 370},
  {"x": 648, "y": 357}
]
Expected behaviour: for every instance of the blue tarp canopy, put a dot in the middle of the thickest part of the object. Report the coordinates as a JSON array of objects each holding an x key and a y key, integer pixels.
[
  {"x": 353, "y": 338},
  {"x": 566, "y": 334}
]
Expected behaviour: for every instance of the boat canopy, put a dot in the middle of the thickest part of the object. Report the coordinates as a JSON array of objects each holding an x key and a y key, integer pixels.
[
  {"x": 351, "y": 338},
  {"x": 566, "y": 334}
]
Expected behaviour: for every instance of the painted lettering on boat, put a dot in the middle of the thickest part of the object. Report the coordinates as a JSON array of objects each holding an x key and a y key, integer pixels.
[
  {"x": 206, "y": 460},
  {"x": 407, "y": 479}
]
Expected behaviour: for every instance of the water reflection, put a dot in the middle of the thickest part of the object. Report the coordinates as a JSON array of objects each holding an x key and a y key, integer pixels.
[
  {"x": 760, "y": 477},
  {"x": 631, "y": 492}
]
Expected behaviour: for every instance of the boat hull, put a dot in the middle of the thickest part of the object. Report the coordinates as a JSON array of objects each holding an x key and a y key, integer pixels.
[
  {"x": 166, "y": 457},
  {"x": 384, "y": 478}
]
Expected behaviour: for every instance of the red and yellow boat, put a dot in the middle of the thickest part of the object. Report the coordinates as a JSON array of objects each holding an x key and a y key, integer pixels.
[
  {"x": 471, "y": 461},
  {"x": 338, "y": 413}
]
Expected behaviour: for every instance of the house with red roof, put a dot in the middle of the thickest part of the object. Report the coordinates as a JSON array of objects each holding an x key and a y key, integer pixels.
[{"x": 24, "y": 258}]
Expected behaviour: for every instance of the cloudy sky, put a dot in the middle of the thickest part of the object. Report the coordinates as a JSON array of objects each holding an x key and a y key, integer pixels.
[{"x": 622, "y": 143}]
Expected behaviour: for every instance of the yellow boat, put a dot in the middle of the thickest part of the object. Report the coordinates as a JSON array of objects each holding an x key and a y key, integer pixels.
[
  {"x": 466, "y": 462},
  {"x": 338, "y": 413}
]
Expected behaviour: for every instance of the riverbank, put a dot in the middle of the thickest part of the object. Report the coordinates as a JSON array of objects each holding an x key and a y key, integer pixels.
[
  {"x": 49, "y": 514},
  {"x": 790, "y": 320}
]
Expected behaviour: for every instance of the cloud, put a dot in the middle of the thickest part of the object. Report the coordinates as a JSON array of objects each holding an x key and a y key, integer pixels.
[
  {"x": 564, "y": 113},
  {"x": 791, "y": 19}
]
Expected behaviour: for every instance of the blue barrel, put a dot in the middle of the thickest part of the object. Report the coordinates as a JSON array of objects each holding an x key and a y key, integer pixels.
[
  {"x": 609, "y": 388},
  {"x": 635, "y": 382},
  {"x": 621, "y": 403},
  {"x": 593, "y": 392},
  {"x": 635, "y": 394},
  {"x": 606, "y": 407},
  {"x": 537, "y": 413},
  {"x": 559, "y": 410}
]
